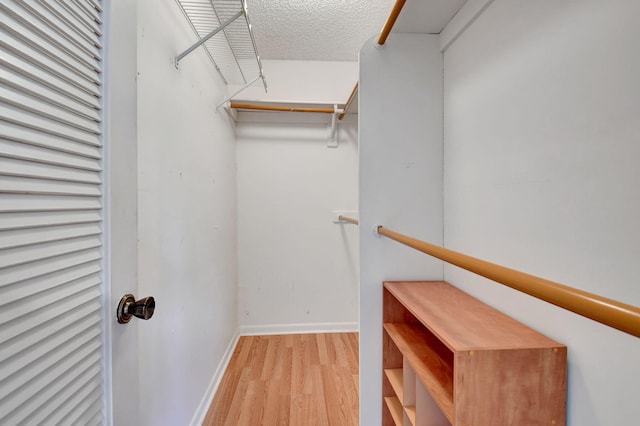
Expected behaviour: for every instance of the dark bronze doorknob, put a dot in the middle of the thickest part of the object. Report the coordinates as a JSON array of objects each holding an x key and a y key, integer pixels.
[{"x": 129, "y": 307}]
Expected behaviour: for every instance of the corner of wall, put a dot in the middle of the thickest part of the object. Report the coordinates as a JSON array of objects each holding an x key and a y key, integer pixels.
[{"x": 465, "y": 17}]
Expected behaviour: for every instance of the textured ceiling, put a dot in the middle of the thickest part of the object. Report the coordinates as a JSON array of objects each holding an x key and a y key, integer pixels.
[
  {"x": 315, "y": 29},
  {"x": 335, "y": 30}
]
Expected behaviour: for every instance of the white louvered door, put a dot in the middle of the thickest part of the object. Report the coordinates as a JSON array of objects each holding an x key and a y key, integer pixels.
[{"x": 51, "y": 325}]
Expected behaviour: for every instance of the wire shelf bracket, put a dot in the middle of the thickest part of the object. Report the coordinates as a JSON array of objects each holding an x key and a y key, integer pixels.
[{"x": 228, "y": 40}]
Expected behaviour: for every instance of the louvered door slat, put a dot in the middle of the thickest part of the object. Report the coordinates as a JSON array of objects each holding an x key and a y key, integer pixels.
[
  {"x": 10, "y": 184},
  {"x": 16, "y": 133},
  {"x": 37, "y": 336},
  {"x": 42, "y": 124},
  {"x": 21, "y": 168},
  {"x": 28, "y": 237},
  {"x": 34, "y": 18},
  {"x": 97, "y": 4},
  {"x": 27, "y": 30},
  {"x": 37, "y": 203},
  {"x": 57, "y": 74},
  {"x": 14, "y": 293},
  {"x": 49, "y": 265},
  {"x": 36, "y": 393},
  {"x": 21, "y": 151},
  {"x": 89, "y": 10},
  {"x": 22, "y": 255},
  {"x": 61, "y": 22},
  {"x": 28, "y": 357},
  {"x": 51, "y": 279},
  {"x": 47, "y": 360},
  {"x": 39, "y": 105},
  {"x": 45, "y": 54},
  {"x": 34, "y": 72},
  {"x": 44, "y": 92},
  {"x": 76, "y": 405},
  {"x": 39, "y": 219},
  {"x": 96, "y": 420},
  {"x": 74, "y": 20},
  {"x": 47, "y": 298},
  {"x": 30, "y": 323},
  {"x": 77, "y": 19}
]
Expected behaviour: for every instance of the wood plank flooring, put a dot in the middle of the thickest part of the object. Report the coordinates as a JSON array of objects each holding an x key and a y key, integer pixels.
[{"x": 297, "y": 380}]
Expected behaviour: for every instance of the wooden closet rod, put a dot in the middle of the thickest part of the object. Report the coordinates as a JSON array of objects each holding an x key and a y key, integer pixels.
[
  {"x": 281, "y": 108},
  {"x": 620, "y": 316},
  {"x": 348, "y": 219},
  {"x": 384, "y": 34},
  {"x": 348, "y": 104},
  {"x": 299, "y": 109},
  {"x": 391, "y": 20}
]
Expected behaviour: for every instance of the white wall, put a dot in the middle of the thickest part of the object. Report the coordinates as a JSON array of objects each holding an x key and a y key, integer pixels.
[
  {"x": 187, "y": 218},
  {"x": 542, "y": 116},
  {"x": 400, "y": 123},
  {"x": 297, "y": 269},
  {"x": 303, "y": 81}
]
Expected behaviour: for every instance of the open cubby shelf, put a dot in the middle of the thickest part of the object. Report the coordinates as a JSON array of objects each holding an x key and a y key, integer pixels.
[
  {"x": 394, "y": 406},
  {"x": 394, "y": 375},
  {"x": 450, "y": 359}
]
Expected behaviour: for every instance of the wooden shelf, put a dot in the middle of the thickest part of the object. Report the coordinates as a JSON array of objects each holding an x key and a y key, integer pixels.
[
  {"x": 395, "y": 408},
  {"x": 411, "y": 414},
  {"x": 464, "y": 363},
  {"x": 435, "y": 372},
  {"x": 395, "y": 378},
  {"x": 461, "y": 321}
]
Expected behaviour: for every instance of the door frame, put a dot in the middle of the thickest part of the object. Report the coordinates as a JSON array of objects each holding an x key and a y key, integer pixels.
[{"x": 120, "y": 212}]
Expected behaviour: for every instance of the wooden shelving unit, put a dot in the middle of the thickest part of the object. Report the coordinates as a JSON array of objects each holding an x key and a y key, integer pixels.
[{"x": 450, "y": 359}]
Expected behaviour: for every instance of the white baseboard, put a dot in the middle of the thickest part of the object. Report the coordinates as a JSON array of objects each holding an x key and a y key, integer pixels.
[
  {"x": 328, "y": 327},
  {"x": 201, "y": 411}
]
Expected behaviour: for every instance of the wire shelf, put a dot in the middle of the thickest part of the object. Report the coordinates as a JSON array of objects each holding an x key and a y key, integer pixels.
[{"x": 232, "y": 49}]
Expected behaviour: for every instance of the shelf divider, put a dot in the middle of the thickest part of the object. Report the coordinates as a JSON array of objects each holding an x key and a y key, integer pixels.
[
  {"x": 410, "y": 411},
  {"x": 435, "y": 372}
]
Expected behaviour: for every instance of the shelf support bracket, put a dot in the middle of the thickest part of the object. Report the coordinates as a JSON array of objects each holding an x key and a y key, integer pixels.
[
  {"x": 333, "y": 138},
  {"x": 208, "y": 36},
  {"x": 228, "y": 98}
]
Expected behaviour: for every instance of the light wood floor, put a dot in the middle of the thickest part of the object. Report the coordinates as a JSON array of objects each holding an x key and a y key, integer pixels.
[{"x": 297, "y": 380}]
